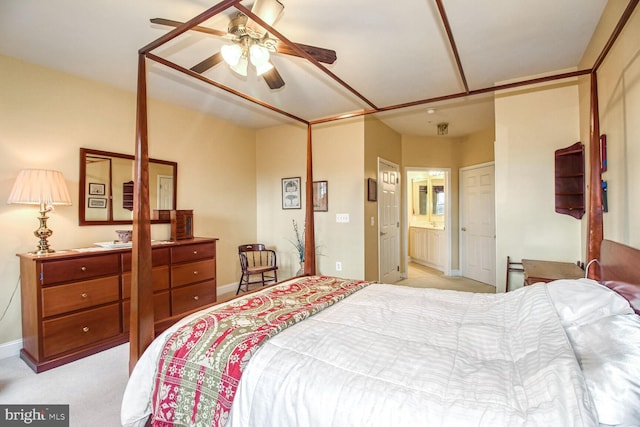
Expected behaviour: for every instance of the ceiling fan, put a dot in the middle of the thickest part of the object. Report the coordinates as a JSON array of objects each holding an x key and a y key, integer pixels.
[{"x": 250, "y": 43}]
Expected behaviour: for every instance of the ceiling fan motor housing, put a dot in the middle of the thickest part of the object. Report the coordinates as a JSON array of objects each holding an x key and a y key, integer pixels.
[{"x": 238, "y": 25}]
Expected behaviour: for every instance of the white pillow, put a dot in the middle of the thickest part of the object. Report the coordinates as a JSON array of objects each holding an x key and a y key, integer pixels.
[
  {"x": 581, "y": 301},
  {"x": 609, "y": 352}
]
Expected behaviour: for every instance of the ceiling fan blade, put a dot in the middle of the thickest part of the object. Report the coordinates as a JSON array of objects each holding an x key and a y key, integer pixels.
[
  {"x": 273, "y": 78},
  {"x": 172, "y": 23},
  {"x": 209, "y": 62},
  {"x": 268, "y": 10},
  {"x": 327, "y": 56}
]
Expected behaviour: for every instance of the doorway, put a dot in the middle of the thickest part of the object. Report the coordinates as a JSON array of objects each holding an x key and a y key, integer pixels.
[{"x": 427, "y": 228}]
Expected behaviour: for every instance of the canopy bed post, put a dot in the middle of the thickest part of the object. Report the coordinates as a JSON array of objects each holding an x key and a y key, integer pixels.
[
  {"x": 142, "y": 331},
  {"x": 309, "y": 228},
  {"x": 141, "y": 317},
  {"x": 595, "y": 233}
]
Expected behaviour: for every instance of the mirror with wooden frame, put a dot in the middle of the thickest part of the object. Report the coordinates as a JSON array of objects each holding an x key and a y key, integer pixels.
[{"x": 106, "y": 187}]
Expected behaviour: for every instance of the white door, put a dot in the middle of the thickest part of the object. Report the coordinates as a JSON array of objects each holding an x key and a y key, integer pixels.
[
  {"x": 388, "y": 221},
  {"x": 477, "y": 224}
]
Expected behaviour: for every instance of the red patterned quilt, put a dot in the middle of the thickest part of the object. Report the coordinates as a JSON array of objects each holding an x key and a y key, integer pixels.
[{"x": 202, "y": 362}]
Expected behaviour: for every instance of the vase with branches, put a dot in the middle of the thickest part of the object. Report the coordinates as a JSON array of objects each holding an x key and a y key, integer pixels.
[{"x": 299, "y": 241}]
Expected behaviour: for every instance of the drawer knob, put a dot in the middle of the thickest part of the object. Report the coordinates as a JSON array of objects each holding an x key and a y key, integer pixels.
[
  {"x": 196, "y": 298},
  {"x": 195, "y": 272},
  {"x": 195, "y": 252},
  {"x": 84, "y": 295},
  {"x": 83, "y": 268},
  {"x": 85, "y": 329}
]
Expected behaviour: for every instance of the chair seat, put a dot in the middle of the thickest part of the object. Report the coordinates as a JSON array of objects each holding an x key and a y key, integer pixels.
[{"x": 258, "y": 270}]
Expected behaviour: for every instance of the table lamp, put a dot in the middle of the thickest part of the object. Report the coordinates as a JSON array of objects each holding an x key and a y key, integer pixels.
[{"x": 45, "y": 188}]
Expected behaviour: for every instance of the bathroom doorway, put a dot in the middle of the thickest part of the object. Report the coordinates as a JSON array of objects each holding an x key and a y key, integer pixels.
[{"x": 428, "y": 219}]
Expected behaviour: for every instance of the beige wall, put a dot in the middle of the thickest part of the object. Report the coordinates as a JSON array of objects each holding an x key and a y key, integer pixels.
[
  {"x": 477, "y": 148},
  {"x": 338, "y": 159},
  {"x": 619, "y": 105},
  {"x": 531, "y": 124},
  {"x": 46, "y": 116},
  {"x": 380, "y": 142}
]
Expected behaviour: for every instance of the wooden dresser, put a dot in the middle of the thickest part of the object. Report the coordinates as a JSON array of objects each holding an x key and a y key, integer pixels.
[{"x": 76, "y": 303}]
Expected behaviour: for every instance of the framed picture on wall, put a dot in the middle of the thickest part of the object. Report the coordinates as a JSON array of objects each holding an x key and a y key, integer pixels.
[
  {"x": 97, "y": 202},
  {"x": 320, "y": 196},
  {"x": 372, "y": 190},
  {"x": 291, "y": 193},
  {"x": 96, "y": 189}
]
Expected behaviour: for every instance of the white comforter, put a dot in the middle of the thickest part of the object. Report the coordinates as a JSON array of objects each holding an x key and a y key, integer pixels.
[{"x": 397, "y": 356}]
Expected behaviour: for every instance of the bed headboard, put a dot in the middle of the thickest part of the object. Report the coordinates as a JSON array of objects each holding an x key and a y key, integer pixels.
[{"x": 620, "y": 270}]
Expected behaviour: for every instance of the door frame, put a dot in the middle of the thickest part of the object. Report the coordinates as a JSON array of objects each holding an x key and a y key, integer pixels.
[
  {"x": 461, "y": 208},
  {"x": 447, "y": 216},
  {"x": 398, "y": 212}
]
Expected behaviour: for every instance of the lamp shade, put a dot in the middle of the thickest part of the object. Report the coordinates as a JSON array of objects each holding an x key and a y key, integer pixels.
[
  {"x": 40, "y": 186},
  {"x": 231, "y": 53},
  {"x": 241, "y": 66}
]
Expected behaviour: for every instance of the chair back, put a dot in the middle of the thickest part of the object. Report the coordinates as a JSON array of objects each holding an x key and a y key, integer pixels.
[
  {"x": 512, "y": 266},
  {"x": 256, "y": 255}
]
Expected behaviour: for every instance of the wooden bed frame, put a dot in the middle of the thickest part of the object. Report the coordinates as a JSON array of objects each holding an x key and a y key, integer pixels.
[
  {"x": 618, "y": 269},
  {"x": 142, "y": 324}
]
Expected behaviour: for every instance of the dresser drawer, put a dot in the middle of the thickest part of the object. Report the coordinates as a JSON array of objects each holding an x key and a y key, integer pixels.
[
  {"x": 77, "y": 330},
  {"x": 159, "y": 276},
  {"x": 161, "y": 308},
  {"x": 76, "y": 296},
  {"x": 69, "y": 270},
  {"x": 192, "y": 272},
  {"x": 159, "y": 256},
  {"x": 193, "y": 252},
  {"x": 193, "y": 296}
]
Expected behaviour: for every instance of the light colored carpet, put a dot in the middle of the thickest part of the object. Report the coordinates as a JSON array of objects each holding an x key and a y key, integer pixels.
[
  {"x": 424, "y": 277},
  {"x": 93, "y": 386}
]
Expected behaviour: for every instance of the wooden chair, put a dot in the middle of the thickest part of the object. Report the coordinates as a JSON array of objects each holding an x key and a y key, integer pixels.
[
  {"x": 257, "y": 260},
  {"x": 513, "y": 266}
]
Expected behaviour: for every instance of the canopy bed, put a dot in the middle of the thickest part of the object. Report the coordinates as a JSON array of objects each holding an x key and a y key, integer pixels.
[{"x": 538, "y": 371}]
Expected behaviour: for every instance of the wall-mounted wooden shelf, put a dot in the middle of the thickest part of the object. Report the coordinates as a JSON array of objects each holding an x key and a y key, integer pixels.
[{"x": 569, "y": 180}]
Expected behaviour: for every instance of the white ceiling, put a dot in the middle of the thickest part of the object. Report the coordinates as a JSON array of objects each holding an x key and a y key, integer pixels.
[{"x": 390, "y": 52}]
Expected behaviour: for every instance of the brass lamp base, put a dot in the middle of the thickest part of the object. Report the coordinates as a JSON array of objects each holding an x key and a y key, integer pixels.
[{"x": 43, "y": 233}]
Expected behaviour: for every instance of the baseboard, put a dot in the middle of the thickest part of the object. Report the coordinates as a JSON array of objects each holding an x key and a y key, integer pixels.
[
  {"x": 228, "y": 288},
  {"x": 454, "y": 273},
  {"x": 10, "y": 349}
]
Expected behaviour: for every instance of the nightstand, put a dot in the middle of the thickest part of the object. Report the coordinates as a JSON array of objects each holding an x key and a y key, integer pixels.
[{"x": 546, "y": 271}]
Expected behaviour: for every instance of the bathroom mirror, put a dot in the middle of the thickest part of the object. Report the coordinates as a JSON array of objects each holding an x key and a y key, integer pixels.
[
  {"x": 437, "y": 200},
  {"x": 106, "y": 187},
  {"x": 423, "y": 198},
  {"x": 428, "y": 198}
]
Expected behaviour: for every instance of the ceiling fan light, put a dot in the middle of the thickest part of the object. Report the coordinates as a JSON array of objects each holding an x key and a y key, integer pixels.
[
  {"x": 263, "y": 68},
  {"x": 259, "y": 55},
  {"x": 231, "y": 53},
  {"x": 241, "y": 66}
]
